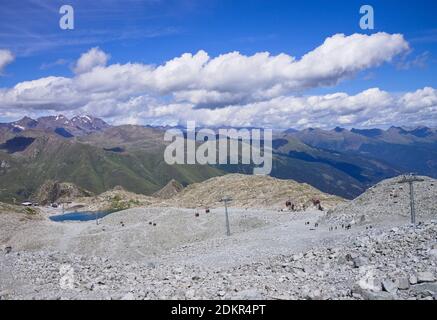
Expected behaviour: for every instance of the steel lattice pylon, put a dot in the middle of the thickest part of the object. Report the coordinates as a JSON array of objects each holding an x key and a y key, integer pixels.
[{"x": 410, "y": 179}]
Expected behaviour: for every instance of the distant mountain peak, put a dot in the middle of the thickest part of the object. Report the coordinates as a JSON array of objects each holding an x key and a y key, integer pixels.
[
  {"x": 291, "y": 130},
  {"x": 25, "y": 118},
  {"x": 370, "y": 133},
  {"x": 59, "y": 124},
  {"x": 82, "y": 118},
  {"x": 24, "y": 123},
  {"x": 88, "y": 122},
  {"x": 422, "y": 132},
  {"x": 399, "y": 129}
]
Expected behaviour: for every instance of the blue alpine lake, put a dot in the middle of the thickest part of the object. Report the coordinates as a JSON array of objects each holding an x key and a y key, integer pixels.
[{"x": 80, "y": 216}]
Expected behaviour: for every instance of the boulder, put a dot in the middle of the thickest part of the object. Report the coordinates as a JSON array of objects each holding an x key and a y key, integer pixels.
[
  {"x": 389, "y": 286},
  {"x": 403, "y": 283},
  {"x": 433, "y": 253},
  {"x": 425, "y": 289},
  {"x": 249, "y": 294},
  {"x": 425, "y": 277},
  {"x": 367, "y": 284},
  {"x": 413, "y": 279},
  {"x": 128, "y": 296},
  {"x": 369, "y": 295},
  {"x": 359, "y": 262}
]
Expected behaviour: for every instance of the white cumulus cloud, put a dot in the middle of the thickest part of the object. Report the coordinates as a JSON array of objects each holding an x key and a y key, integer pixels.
[
  {"x": 6, "y": 57},
  {"x": 232, "y": 88},
  {"x": 369, "y": 108},
  {"x": 91, "y": 59}
]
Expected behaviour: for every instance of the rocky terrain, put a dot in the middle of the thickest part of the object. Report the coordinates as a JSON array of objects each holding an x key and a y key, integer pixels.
[
  {"x": 55, "y": 191},
  {"x": 158, "y": 251},
  {"x": 172, "y": 188},
  {"x": 388, "y": 197},
  {"x": 115, "y": 199},
  {"x": 255, "y": 192},
  {"x": 398, "y": 263},
  {"x": 248, "y": 191},
  {"x": 13, "y": 219}
]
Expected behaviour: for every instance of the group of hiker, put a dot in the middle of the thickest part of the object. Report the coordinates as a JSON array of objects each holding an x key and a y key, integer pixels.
[{"x": 293, "y": 207}]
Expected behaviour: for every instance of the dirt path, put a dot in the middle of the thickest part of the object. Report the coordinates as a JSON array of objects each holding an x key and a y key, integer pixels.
[
  {"x": 288, "y": 237},
  {"x": 181, "y": 237}
]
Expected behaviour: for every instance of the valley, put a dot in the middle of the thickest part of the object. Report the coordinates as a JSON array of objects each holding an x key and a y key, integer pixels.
[{"x": 98, "y": 157}]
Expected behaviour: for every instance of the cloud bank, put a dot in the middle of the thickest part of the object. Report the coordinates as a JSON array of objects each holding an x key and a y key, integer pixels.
[{"x": 259, "y": 90}]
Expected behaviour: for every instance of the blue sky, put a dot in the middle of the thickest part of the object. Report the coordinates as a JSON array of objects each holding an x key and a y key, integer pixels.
[{"x": 152, "y": 32}]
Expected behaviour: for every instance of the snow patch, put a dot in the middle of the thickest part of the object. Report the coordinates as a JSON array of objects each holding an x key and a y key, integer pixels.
[{"x": 19, "y": 127}]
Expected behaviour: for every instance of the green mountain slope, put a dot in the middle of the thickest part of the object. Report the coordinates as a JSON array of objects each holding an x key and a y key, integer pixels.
[
  {"x": 90, "y": 167},
  {"x": 339, "y": 173}
]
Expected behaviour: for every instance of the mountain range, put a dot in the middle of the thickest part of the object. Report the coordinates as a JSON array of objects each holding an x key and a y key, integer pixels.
[
  {"x": 61, "y": 125},
  {"x": 406, "y": 150},
  {"x": 359, "y": 158},
  {"x": 96, "y": 156}
]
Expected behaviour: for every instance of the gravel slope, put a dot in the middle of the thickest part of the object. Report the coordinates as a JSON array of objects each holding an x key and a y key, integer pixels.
[
  {"x": 397, "y": 263},
  {"x": 388, "y": 198}
]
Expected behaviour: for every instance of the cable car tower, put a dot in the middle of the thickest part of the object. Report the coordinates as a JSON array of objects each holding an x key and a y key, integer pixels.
[{"x": 410, "y": 179}]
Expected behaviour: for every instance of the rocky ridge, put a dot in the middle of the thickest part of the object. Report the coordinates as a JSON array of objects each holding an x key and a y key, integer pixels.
[
  {"x": 55, "y": 191},
  {"x": 251, "y": 191},
  {"x": 172, "y": 188},
  {"x": 388, "y": 197}
]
